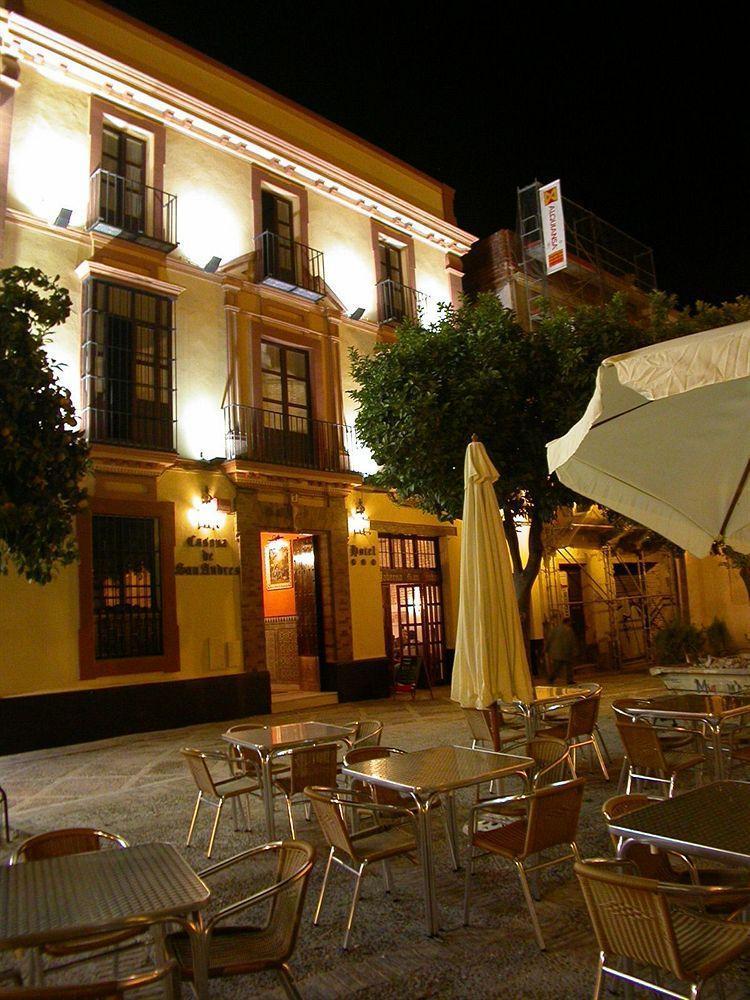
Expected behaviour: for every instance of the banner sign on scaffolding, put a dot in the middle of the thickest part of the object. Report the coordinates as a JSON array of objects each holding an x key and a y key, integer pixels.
[{"x": 553, "y": 227}]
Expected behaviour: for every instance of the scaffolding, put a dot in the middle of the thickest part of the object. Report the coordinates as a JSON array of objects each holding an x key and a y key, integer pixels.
[
  {"x": 601, "y": 258},
  {"x": 633, "y": 601}
]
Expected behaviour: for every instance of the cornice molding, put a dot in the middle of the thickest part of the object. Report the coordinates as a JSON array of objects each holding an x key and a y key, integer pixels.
[
  {"x": 95, "y": 269},
  {"x": 77, "y": 65}
]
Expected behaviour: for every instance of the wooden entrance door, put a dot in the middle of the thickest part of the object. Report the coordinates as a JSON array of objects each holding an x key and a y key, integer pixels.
[{"x": 307, "y": 600}]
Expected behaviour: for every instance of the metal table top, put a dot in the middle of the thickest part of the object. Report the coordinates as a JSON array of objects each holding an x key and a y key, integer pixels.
[
  {"x": 701, "y": 707},
  {"x": 57, "y": 899},
  {"x": 712, "y": 821},
  {"x": 296, "y": 734},
  {"x": 439, "y": 769}
]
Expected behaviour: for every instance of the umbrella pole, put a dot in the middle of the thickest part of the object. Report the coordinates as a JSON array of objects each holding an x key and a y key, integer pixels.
[{"x": 494, "y": 727}]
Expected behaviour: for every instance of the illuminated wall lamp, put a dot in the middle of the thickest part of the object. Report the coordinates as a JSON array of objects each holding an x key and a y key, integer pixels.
[
  {"x": 359, "y": 522},
  {"x": 206, "y": 513}
]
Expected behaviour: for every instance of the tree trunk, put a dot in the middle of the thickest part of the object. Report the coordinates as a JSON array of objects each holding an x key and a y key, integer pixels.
[
  {"x": 524, "y": 576},
  {"x": 745, "y": 576}
]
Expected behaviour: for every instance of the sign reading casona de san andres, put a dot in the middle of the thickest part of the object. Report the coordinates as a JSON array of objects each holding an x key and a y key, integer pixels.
[{"x": 207, "y": 566}]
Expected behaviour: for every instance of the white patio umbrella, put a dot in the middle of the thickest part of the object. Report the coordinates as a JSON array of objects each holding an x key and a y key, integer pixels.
[
  {"x": 665, "y": 439},
  {"x": 490, "y": 663}
]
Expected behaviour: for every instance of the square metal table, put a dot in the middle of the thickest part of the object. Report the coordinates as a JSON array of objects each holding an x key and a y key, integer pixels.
[
  {"x": 711, "y": 710},
  {"x": 712, "y": 821},
  {"x": 268, "y": 741},
  {"x": 57, "y": 899},
  {"x": 426, "y": 774}
]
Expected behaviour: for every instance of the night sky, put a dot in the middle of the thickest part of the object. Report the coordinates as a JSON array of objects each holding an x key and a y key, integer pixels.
[{"x": 645, "y": 125}]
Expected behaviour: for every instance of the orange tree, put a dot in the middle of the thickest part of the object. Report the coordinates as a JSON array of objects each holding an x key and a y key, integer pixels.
[
  {"x": 42, "y": 456},
  {"x": 476, "y": 371}
]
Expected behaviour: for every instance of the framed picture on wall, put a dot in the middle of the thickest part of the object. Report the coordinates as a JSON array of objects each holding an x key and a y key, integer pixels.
[{"x": 278, "y": 555}]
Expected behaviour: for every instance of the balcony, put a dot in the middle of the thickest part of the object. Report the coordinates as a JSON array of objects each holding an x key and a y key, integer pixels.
[
  {"x": 397, "y": 302},
  {"x": 292, "y": 267},
  {"x": 258, "y": 435},
  {"x": 132, "y": 211}
]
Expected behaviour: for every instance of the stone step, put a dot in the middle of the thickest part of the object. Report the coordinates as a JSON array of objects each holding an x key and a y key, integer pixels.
[{"x": 290, "y": 701}]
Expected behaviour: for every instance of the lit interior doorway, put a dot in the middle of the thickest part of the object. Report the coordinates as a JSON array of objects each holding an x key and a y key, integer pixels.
[
  {"x": 291, "y": 610},
  {"x": 413, "y": 601}
]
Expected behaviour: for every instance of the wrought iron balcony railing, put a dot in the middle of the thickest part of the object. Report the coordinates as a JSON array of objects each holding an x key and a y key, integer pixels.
[
  {"x": 397, "y": 302},
  {"x": 133, "y": 211},
  {"x": 291, "y": 266},
  {"x": 277, "y": 439}
]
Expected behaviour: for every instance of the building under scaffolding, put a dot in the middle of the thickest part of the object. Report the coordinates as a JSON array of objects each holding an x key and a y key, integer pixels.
[
  {"x": 601, "y": 261},
  {"x": 616, "y": 594}
]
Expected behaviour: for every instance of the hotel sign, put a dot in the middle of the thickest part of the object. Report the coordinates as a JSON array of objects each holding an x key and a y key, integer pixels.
[{"x": 553, "y": 227}]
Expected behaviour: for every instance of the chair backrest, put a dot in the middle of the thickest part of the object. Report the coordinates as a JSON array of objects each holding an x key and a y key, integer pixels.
[
  {"x": 295, "y": 862},
  {"x": 642, "y": 745},
  {"x": 328, "y": 815},
  {"x": 57, "y": 843},
  {"x": 316, "y": 765},
  {"x": 245, "y": 758},
  {"x": 553, "y": 815},
  {"x": 650, "y": 861},
  {"x": 198, "y": 767},
  {"x": 479, "y": 724},
  {"x": 370, "y": 733},
  {"x": 552, "y": 759},
  {"x": 631, "y": 917},
  {"x": 583, "y": 715}
]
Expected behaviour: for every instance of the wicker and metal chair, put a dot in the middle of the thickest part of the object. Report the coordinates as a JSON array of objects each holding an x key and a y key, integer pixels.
[
  {"x": 75, "y": 840},
  {"x": 390, "y": 797},
  {"x": 478, "y": 721},
  {"x": 392, "y": 835},
  {"x": 672, "y": 737},
  {"x": 6, "y": 821},
  {"x": 644, "y": 921},
  {"x": 552, "y": 764},
  {"x": 110, "y": 989},
  {"x": 237, "y": 950},
  {"x": 552, "y": 821},
  {"x": 579, "y": 729},
  {"x": 213, "y": 793},
  {"x": 315, "y": 765},
  {"x": 649, "y": 761},
  {"x": 369, "y": 733}
]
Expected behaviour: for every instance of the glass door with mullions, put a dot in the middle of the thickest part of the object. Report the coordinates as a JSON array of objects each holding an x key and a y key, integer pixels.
[
  {"x": 392, "y": 271},
  {"x": 287, "y": 413},
  {"x": 278, "y": 221},
  {"x": 123, "y": 185}
]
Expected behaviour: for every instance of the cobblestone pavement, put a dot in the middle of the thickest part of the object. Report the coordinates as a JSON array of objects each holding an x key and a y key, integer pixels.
[{"x": 138, "y": 786}]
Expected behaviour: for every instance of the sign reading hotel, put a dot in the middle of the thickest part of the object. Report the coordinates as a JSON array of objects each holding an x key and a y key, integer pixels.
[{"x": 553, "y": 227}]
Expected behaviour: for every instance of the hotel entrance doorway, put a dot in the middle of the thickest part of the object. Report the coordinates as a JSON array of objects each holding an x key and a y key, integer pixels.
[{"x": 413, "y": 601}]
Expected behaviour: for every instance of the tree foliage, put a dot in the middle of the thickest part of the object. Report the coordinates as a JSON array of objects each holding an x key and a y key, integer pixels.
[
  {"x": 42, "y": 456},
  {"x": 476, "y": 371}
]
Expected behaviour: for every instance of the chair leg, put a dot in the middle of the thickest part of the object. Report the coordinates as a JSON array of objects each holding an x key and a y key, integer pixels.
[
  {"x": 288, "y": 983},
  {"x": 308, "y": 813},
  {"x": 235, "y": 819},
  {"x": 599, "y": 977},
  {"x": 449, "y": 818},
  {"x": 195, "y": 817},
  {"x": 6, "y": 821},
  {"x": 214, "y": 828},
  {"x": 323, "y": 888},
  {"x": 291, "y": 818},
  {"x": 353, "y": 907},
  {"x": 387, "y": 878},
  {"x": 530, "y": 904},
  {"x": 598, "y": 753},
  {"x": 467, "y": 885},
  {"x": 598, "y": 736},
  {"x": 624, "y": 768}
]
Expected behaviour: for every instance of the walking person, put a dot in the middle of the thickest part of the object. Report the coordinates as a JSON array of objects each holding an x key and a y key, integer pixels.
[{"x": 562, "y": 648}]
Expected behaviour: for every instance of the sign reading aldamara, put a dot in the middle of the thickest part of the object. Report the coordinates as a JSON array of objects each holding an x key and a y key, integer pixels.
[{"x": 553, "y": 227}]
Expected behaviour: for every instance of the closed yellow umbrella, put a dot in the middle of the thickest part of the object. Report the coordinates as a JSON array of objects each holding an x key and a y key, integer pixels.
[{"x": 490, "y": 663}]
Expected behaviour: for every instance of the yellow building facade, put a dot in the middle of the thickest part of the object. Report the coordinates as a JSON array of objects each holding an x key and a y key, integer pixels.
[{"x": 223, "y": 249}]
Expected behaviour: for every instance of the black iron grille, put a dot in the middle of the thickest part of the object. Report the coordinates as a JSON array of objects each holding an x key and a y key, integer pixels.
[{"x": 127, "y": 587}]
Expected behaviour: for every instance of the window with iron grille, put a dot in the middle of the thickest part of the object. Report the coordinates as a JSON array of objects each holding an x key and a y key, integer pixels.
[
  {"x": 127, "y": 587},
  {"x": 128, "y": 366},
  {"x": 408, "y": 552}
]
